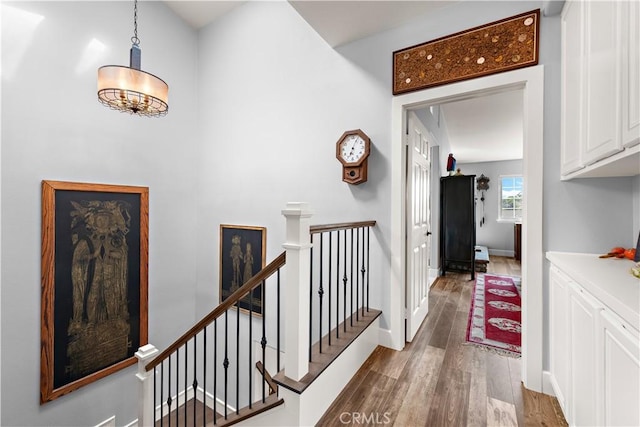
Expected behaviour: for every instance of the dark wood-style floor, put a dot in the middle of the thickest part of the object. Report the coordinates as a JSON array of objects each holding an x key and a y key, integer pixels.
[{"x": 437, "y": 380}]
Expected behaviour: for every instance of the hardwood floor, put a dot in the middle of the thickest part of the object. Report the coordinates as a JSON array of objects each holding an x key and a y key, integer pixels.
[{"x": 437, "y": 380}]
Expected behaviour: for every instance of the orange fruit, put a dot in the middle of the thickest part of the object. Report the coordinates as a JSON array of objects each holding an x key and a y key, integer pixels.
[{"x": 630, "y": 253}]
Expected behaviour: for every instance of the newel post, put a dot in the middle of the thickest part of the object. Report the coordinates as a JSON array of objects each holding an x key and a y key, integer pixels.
[
  {"x": 146, "y": 411},
  {"x": 296, "y": 286}
]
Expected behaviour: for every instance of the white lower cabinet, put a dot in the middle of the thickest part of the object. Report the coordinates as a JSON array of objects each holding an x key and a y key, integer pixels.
[
  {"x": 619, "y": 367},
  {"x": 583, "y": 318},
  {"x": 559, "y": 336},
  {"x": 594, "y": 357}
]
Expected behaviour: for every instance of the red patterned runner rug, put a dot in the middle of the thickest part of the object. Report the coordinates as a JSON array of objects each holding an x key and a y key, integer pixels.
[{"x": 495, "y": 314}]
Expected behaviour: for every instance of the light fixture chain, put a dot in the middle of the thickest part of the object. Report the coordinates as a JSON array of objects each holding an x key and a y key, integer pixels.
[{"x": 135, "y": 40}]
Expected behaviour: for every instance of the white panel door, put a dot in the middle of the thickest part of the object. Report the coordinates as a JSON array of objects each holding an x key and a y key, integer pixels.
[
  {"x": 603, "y": 72},
  {"x": 619, "y": 371},
  {"x": 583, "y": 314},
  {"x": 418, "y": 209}
]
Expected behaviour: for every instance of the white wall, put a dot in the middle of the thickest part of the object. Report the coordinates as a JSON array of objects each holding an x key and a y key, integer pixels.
[
  {"x": 274, "y": 99},
  {"x": 581, "y": 215},
  {"x": 497, "y": 236},
  {"x": 54, "y": 128}
]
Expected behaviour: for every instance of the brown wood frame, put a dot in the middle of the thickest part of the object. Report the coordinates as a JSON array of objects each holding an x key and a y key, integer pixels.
[
  {"x": 488, "y": 49},
  {"x": 247, "y": 235},
  {"x": 48, "y": 391}
]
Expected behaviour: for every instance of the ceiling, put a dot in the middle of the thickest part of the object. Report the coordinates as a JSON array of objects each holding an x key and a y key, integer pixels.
[
  {"x": 336, "y": 21},
  {"x": 199, "y": 14},
  {"x": 487, "y": 128},
  {"x": 341, "y": 22}
]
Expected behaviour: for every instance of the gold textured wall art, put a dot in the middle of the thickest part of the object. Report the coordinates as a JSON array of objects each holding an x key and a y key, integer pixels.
[
  {"x": 492, "y": 48},
  {"x": 94, "y": 282}
]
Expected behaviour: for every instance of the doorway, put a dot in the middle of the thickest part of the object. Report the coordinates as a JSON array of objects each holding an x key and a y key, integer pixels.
[{"x": 531, "y": 81}]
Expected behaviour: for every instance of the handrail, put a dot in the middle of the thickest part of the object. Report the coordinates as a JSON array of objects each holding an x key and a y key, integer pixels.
[
  {"x": 273, "y": 387},
  {"x": 315, "y": 229},
  {"x": 225, "y": 305}
]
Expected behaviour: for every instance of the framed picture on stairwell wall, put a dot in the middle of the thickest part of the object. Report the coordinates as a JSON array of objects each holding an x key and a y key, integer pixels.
[
  {"x": 242, "y": 255},
  {"x": 94, "y": 282}
]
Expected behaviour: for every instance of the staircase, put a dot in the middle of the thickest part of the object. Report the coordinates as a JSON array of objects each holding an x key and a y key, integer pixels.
[{"x": 313, "y": 328}]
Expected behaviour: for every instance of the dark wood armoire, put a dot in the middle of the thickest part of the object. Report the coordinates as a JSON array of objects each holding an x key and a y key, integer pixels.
[{"x": 457, "y": 224}]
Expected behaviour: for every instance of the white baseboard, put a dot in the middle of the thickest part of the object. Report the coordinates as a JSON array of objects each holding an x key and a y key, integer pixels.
[
  {"x": 547, "y": 388},
  {"x": 385, "y": 339},
  {"x": 433, "y": 275},
  {"x": 219, "y": 403},
  {"x": 501, "y": 252},
  {"x": 164, "y": 408}
]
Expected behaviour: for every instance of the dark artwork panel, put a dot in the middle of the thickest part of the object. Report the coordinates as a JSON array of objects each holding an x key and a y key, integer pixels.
[
  {"x": 242, "y": 255},
  {"x": 97, "y": 282}
]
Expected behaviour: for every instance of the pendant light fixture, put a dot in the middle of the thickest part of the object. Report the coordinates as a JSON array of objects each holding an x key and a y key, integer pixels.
[{"x": 129, "y": 89}]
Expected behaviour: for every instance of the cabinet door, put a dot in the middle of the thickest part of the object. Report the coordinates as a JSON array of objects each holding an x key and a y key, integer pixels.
[
  {"x": 619, "y": 371},
  {"x": 602, "y": 80},
  {"x": 572, "y": 94},
  {"x": 630, "y": 73},
  {"x": 458, "y": 223},
  {"x": 583, "y": 320},
  {"x": 559, "y": 336}
]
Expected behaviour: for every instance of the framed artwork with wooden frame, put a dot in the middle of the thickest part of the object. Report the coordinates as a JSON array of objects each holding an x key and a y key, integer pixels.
[
  {"x": 94, "y": 282},
  {"x": 242, "y": 255},
  {"x": 499, "y": 46}
]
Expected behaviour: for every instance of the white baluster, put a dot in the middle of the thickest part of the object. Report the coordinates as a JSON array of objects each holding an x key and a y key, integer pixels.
[{"x": 146, "y": 411}]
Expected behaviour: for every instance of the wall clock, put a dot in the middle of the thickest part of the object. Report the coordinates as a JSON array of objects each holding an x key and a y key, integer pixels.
[{"x": 352, "y": 150}]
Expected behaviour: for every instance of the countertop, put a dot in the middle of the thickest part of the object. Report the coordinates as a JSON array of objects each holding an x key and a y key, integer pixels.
[{"x": 607, "y": 279}]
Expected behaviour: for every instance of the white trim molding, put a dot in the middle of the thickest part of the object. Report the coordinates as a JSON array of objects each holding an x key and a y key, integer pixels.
[{"x": 531, "y": 81}]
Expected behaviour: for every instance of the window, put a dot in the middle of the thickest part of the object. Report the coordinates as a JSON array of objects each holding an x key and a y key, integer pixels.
[{"x": 510, "y": 198}]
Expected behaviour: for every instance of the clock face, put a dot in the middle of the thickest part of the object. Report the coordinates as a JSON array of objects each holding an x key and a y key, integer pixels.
[{"x": 352, "y": 148}]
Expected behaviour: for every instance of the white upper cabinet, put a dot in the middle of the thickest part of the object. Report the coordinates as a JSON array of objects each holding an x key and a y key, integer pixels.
[
  {"x": 630, "y": 73},
  {"x": 600, "y": 89},
  {"x": 602, "y": 81},
  {"x": 572, "y": 77}
]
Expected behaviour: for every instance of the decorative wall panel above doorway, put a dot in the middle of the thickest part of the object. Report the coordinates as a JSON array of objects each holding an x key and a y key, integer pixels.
[{"x": 492, "y": 48}]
